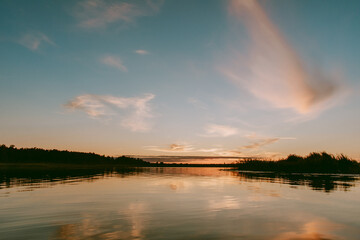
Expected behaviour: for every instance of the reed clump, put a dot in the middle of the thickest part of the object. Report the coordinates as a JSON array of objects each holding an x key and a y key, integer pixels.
[{"x": 312, "y": 163}]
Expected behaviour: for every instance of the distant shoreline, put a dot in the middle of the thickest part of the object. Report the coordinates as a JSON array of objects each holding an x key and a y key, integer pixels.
[{"x": 12, "y": 157}]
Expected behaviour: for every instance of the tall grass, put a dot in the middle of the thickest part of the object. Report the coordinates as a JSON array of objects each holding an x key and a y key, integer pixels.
[{"x": 312, "y": 163}]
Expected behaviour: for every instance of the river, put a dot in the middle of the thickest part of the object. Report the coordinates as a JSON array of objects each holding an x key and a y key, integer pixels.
[{"x": 178, "y": 203}]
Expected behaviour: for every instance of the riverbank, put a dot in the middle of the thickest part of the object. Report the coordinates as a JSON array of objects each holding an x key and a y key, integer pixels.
[{"x": 312, "y": 163}]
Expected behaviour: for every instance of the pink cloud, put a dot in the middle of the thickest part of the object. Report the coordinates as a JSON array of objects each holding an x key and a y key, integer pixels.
[
  {"x": 34, "y": 40},
  {"x": 141, "y": 52},
  {"x": 135, "y": 111},
  {"x": 115, "y": 62},
  {"x": 271, "y": 70},
  {"x": 216, "y": 130}
]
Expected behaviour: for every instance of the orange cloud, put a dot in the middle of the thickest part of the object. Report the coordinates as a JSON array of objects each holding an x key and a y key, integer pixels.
[
  {"x": 174, "y": 147},
  {"x": 187, "y": 148},
  {"x": 261, "y": 143}
]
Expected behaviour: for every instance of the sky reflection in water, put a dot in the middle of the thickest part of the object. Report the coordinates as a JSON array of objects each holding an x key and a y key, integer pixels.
[{"x": 178, "y": 203}]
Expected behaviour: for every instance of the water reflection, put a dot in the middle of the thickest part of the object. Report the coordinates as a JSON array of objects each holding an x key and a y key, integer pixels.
[
  {"x": 318, "y": 182},
  {"x": 42, "y": 177},
  {"x": 319, "y": 229},
  {"x": 177, "y": 203},
  {"x": 33, "y": 177},
  {"x": 129, "y": 226}
]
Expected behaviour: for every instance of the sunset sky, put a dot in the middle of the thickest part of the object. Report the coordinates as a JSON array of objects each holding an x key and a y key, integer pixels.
[{"x": 185, "y": 78}]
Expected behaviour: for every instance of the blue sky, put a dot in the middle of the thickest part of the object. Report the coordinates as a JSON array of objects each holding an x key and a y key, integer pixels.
[{"x": 208, "y": 78}]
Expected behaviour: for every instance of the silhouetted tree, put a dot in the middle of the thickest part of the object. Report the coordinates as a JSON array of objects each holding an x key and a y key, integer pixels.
[{"x": 35, "y": 155}]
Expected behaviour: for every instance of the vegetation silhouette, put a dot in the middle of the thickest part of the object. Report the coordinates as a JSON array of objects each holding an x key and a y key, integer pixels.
[
  {"x": 34, "y": 168},
  {"x": 13, "y": 155},
  {"x": 313, "y": 163}
]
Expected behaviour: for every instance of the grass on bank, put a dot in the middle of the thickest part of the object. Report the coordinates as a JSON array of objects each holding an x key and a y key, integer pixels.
[{"x": 312, "y": 163}]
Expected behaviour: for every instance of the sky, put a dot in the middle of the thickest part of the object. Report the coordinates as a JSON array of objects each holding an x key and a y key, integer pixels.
[{"x": 221, "y": 78}]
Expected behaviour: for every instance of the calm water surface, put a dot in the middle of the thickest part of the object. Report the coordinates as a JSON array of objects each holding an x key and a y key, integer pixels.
[{"x": 177, "y": 203}]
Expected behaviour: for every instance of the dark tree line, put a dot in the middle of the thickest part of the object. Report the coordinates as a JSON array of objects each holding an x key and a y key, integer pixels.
[
  {"x": 36, "y": 155},
  {"x": 313, "y": 163}
]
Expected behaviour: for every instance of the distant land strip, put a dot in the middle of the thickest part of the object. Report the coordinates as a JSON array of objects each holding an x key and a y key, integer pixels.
[{"x": 312, "y": 163}]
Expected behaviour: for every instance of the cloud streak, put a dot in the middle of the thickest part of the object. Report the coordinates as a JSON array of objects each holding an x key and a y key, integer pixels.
[
  {"x": 271, "y": 70},
  {"x": 174, "y": 147},
  {"x": 216, "y": 130},
  {"x": 134, "y": 114},
  {"x": 197, "y": 103},
  {"x": 115, "y": 62},
  {"x": 142, "y": 52},
  {"x": 187, "y": 148},
  {"x": 261, "y": 143},
  {"x": 241, "y": 151},
  {"x": 34, "y": 40},
  {"x": 93, "y": 14}
]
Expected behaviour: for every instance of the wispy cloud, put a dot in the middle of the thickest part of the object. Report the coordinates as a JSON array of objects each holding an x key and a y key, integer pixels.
[
  {"x": 197, "y": 103},
  {"x": 142, "y": 52},
  {"x": 93, "y": 14},
  {"x": 115, "y": 62},
  {"x": 252, "y": 149},
  {"x": 188, "y": 148},
  {"x": 174, "y": 147},
  {"x": 261, "y": 143},
  {"x": 135, "y": 111},
  {"x": 216, "y": 130},
  {"x": 34, "y": 40},
  {"x": 188, "y": 159},
  {"x": 255, "y": 145},
  {"x": 272, "y": 71}
]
